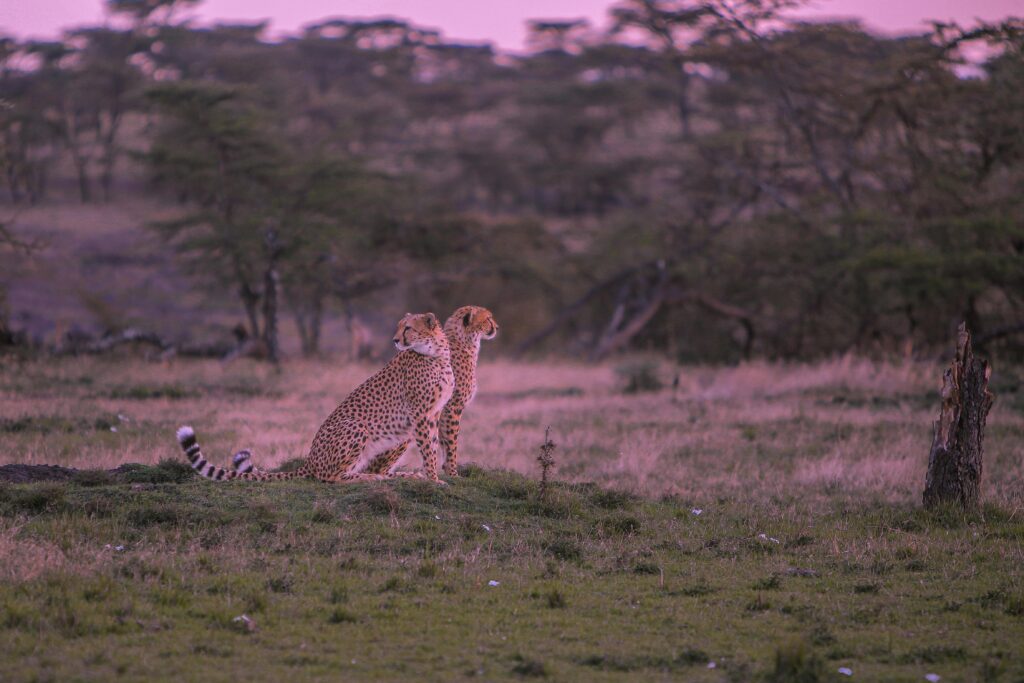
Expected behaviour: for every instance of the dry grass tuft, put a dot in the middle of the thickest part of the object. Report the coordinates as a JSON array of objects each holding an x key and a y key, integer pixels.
[{"x": 845, "y": 425}]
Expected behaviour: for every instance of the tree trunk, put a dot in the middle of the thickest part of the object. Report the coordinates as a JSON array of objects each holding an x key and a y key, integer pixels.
[
  {"x": 316, "y": 321},
  {"x": 5, "y": 334},
  {"x": 300, "y": 325},
  {"x": 250, "y": 300},
  {"x": 80, "y": 161},
  {"x": 954, "y": 464},
  {"x": 82, "y": 170},
  {"x": 270, "y": 282},
  {"x": 639, "y": 300},
  {"x": 271, "y": 285}
]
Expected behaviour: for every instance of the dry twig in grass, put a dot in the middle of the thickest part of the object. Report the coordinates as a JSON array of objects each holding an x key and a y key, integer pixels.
[{"x": 546, "y": 460}]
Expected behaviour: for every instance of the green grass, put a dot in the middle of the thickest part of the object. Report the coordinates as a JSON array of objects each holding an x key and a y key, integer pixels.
[
  {"x": 391, "y": 581},
  {"x": 811, "y": 552}
]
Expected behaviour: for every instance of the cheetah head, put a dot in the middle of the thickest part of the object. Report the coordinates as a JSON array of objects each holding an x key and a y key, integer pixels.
[
  {"x": 420, "y": 332},
  {"x": 472, "y": 323}
]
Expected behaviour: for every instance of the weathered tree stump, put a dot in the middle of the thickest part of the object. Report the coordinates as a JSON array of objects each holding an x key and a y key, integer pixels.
[{"x": 954, "y": 464}]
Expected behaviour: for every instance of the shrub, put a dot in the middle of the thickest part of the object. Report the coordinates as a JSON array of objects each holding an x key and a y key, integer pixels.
[
  {"x": 32, "y": 499},
  {"x": 610, "y": 499},
  {"x": 92, "y": 478},
  {"x": 768, "y": 583},
  {"x": 339, "y": 615},
  {"x": 795, "y": 662},
  {"x": 529, "y": 668},
  {"x": 556, "y": 600},
  {"x": 564, "y": 549},
  {"x": 640, "y": 376}
]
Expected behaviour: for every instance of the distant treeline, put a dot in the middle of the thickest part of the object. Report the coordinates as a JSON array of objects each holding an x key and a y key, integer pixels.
[{"x": 706, "y": 179}]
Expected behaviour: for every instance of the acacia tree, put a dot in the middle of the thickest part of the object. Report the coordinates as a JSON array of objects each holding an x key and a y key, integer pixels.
[
  {"x": 335, "y": 208},
  {"x": 64, "y": 105},
  {"x": 263, "y": 216},
  {"x": 108, "y": 81},
  {"x": 29, "y": 140},
  {"x": 215, "y": 155}
]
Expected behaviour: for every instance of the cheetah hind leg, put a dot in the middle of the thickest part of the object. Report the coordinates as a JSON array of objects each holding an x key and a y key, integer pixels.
[
  {"x": 448, "y": 430},
  {"x": 345, "y": 459}
]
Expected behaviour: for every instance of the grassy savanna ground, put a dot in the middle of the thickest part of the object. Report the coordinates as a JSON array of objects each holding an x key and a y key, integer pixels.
[{"x": 810, "y": 540}]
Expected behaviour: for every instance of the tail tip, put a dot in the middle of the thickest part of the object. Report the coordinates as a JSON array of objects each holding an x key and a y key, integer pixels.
[
  {"x": 242, "y": 461},
  {"x": 185, "y": 434}
]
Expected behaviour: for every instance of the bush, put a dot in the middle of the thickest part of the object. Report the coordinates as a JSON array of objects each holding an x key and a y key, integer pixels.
[
  {"x": 556, "y": 600},
  {"x": 530, "y": 668},
  {"x": 168, "y": 471},
  {"x": 92, "y": 478},
  {"x": 796, "y": 663},
  {"x": 620, "y": 526},
  {"x": 342, "y": 616},
  {"x": 564, "y": 549},
  {"x": 32, "y": 499},
  {"x": 640, "y": 376}
]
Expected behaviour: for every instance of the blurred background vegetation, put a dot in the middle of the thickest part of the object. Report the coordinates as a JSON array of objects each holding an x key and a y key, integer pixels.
[{"x": 707, "y": 180}]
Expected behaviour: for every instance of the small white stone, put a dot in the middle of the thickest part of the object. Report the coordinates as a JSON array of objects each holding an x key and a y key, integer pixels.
[
  {"x": 437, "y": 516},
  {"x": 486, "y": 528},
  {"x": 493, "y": 583},
  {"x": 845, "y": 671},
  {"x": 113, "y": 429},
  {"x": 119, "y": 548},
  {"x": 711, "y": 665},
  {"x": 934, "y": 678},
  {"x": 697, "y": 511},
  {"x": 245, "y": 621}
]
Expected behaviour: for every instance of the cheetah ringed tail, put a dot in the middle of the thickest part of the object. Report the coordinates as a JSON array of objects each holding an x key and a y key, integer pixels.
[{"x": 242, "y": 463}]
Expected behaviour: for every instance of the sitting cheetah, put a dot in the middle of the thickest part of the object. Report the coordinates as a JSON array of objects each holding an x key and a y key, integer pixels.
[
  {"x": 403, "y": 400},
  {"x": 464, "y": 329}
]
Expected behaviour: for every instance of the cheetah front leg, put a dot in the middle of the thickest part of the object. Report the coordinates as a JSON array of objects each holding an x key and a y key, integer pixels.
[
  {"x": 449, "y": 432},
  {"x": 426, "y": 441}
]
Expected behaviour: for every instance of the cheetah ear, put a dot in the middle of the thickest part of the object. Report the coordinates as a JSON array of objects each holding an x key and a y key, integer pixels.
[
  {"x": 466, "y": 318},
  {"x": 431, "y": 321}
]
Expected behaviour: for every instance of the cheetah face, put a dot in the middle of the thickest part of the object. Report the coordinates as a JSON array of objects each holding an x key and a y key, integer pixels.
[
  {"x": 480, "y": 322},
  {"x": 419, "y": 332},
  {"x": 476, "y": 322},
  {"x": 490, "y": 329}
]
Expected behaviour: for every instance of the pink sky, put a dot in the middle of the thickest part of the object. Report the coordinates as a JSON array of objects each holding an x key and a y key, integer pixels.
[{"x": 498, "y": 21}]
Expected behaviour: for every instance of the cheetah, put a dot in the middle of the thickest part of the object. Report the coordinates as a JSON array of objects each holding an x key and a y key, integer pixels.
[
  {"x": 464, "y": 329},
  {"x": 403, "y": 400}
]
